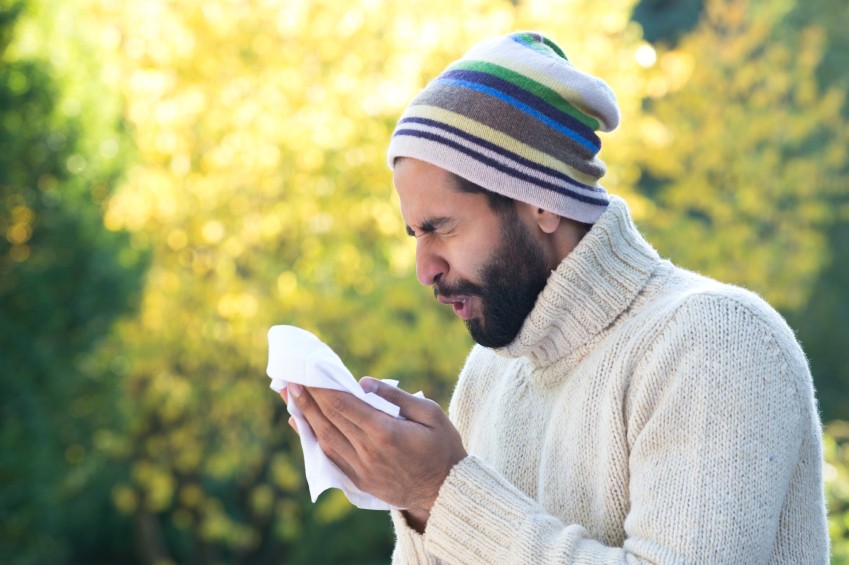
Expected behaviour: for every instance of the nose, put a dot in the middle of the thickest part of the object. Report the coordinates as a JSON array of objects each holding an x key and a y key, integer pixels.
[{"x": 430, "y": 266}]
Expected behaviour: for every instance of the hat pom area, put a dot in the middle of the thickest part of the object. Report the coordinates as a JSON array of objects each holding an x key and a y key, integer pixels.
[{"x": 514, "y": 116}]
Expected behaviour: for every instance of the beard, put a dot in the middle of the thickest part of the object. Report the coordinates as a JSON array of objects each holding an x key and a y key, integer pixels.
[{"x": 511, "y": 280}]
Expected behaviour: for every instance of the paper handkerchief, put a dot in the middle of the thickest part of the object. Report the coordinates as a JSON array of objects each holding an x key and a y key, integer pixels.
[{"x": 297, "y": 356}]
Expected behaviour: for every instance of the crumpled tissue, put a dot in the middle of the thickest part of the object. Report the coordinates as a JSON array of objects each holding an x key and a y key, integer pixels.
[{"x": 297, "y": 356}]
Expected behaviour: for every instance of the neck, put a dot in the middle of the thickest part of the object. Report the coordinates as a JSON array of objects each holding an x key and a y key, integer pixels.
[
  {"x": 558, "y": 235},
  {"x": 565, "y": 238},
  {"x": 596, "y": 282}
]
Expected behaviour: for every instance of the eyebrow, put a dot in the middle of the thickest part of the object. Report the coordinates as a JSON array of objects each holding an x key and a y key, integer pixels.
[{"x": 430, "y": 225}]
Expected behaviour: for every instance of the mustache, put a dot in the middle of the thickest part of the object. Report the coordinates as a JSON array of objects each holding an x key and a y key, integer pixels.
[{"x": 462, "y": 288}]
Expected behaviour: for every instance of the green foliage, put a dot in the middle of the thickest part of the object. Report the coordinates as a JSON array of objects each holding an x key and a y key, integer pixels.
[
  {"x": 748, "y": 183},
  {"x": 821, "y": 323},
  {"x": 837, "y": 489},
  {"x": 828, "y": 305},
  {"x": 746, "y": 161},
  {"x": 832, "y": 16},
  {"x": 667, "y": 20},
  {"x": 63, "y": 281},
  {"x": 262, "y": 189},
  {"x": 257, "y": 184}
]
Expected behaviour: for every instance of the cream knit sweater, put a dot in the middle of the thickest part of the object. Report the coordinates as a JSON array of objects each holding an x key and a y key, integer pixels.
[{"x": 644, "y": 414}]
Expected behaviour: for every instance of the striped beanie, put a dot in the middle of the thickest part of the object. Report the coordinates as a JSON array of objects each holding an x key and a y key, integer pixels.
[{"x": 515, "y": 117}]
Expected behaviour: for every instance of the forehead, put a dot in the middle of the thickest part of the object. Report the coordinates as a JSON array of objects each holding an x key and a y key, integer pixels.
[{"x": 426, "y": 191}]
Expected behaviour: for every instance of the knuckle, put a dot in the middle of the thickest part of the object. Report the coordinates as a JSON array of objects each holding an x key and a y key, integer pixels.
[
  {"x": 433, "y": 405},
  {"x": 325, "y": 436},
  {"x": 374, "y": 460},
  {"x": 392, "y": 394},
  {"x": 384, "y": 435},
  {"x": 335, "y": 406},
  {"x": 433, "y": 410},
  {"x": 370, "y": 461}
]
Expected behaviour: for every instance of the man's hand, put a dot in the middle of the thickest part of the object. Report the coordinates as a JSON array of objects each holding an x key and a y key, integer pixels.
[{"x": 403, "y": 462}]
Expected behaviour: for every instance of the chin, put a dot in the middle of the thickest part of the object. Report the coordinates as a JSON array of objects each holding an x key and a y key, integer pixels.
[{"x": 485, "y": 338}]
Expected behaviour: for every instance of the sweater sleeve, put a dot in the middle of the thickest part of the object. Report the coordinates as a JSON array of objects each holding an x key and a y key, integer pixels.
[
  {"x": 409, "y": 544},
  {"x": 719, "y": 420}
]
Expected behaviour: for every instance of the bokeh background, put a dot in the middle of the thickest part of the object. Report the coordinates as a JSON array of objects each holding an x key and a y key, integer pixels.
[{"x": 177, "y": 176}]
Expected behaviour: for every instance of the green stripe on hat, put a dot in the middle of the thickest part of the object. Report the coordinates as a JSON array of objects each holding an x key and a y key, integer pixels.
[
  {"x": 526, "y": 83},
  {"x": 508, "y": 116},
  {"x": 532, "y": 40}
]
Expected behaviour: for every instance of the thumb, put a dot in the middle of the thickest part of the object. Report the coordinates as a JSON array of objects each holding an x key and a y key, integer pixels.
[{"x": 412, "y": 407}]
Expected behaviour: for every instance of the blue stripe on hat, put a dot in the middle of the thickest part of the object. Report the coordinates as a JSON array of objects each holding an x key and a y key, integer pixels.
[
  {"x": 524, "y": 108},
  {"x": 527, "y": 97}
]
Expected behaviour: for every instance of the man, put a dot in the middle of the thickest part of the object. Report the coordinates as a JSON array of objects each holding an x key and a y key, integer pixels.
[{"x": 616, "y": 408}]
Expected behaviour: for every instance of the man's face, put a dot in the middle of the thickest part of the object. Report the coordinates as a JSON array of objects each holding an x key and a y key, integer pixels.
[{"x": 487, "y": 266}]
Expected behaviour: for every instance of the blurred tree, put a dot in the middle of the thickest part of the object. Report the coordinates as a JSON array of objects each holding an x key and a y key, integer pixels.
[
  {"x": 820, "y": 318},
  {"x": 823, "y": 321},
  {"x": 836, "y": 447},
  {"x": 262, "y": 188},
  {"x": 832, "y": 17},
  {"x": 665, "y": 21},
  {"x": 63, "y": 281},
  {"x": 742, "y": 160},
  {"x": 259, "y": 185}
]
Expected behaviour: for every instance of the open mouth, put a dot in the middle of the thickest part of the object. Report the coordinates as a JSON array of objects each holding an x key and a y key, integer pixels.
[
  {"x": 461, "y": 306},
  {"x": 458, "y": 306}
]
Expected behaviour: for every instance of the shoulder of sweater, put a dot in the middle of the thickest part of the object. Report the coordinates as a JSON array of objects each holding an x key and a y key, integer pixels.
[
  {"x": 720, "y": 339},
  {"x": 697, "y": 291},
  {"x": 696, "y": 299}
]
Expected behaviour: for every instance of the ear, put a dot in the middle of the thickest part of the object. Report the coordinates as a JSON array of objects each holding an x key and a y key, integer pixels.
[{"x": 547, "y": 221}]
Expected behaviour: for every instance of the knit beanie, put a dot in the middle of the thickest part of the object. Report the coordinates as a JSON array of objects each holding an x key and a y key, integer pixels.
[{"x": 515, "y": 117}]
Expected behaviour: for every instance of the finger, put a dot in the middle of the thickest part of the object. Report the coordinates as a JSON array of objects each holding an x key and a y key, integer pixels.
[
  {"x": 284, "y": 394},
  {"x": 361, "y": 423},
  {"x": 346, "y": 411},
  {"x": 331, "y": 438},
  {"x": 412, "y": 407},
  {"x": 294, "y": 424}
]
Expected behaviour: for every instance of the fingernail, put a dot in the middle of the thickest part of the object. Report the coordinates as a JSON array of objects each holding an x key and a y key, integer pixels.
[
  {"x": 368, "y": 384},
  {"x": 295, "y": 389}
]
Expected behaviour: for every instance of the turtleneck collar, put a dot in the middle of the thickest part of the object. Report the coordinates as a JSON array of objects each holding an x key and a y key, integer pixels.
[{"x": 590, "y": 288}]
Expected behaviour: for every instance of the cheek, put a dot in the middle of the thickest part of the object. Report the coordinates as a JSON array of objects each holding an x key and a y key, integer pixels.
[
  {"x": 470, "y": 262},
  {"x": 470, "y": 251}
]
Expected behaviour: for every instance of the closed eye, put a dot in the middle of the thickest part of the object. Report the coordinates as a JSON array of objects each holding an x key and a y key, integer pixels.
[{"x": 430, "y": 225}]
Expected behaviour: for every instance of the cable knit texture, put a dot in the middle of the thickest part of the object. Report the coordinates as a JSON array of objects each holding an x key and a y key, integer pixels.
[{"x": 644, "y": 414}]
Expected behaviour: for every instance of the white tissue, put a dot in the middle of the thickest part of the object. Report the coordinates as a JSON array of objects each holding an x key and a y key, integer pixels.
[{"x": 297, "y": 356}]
